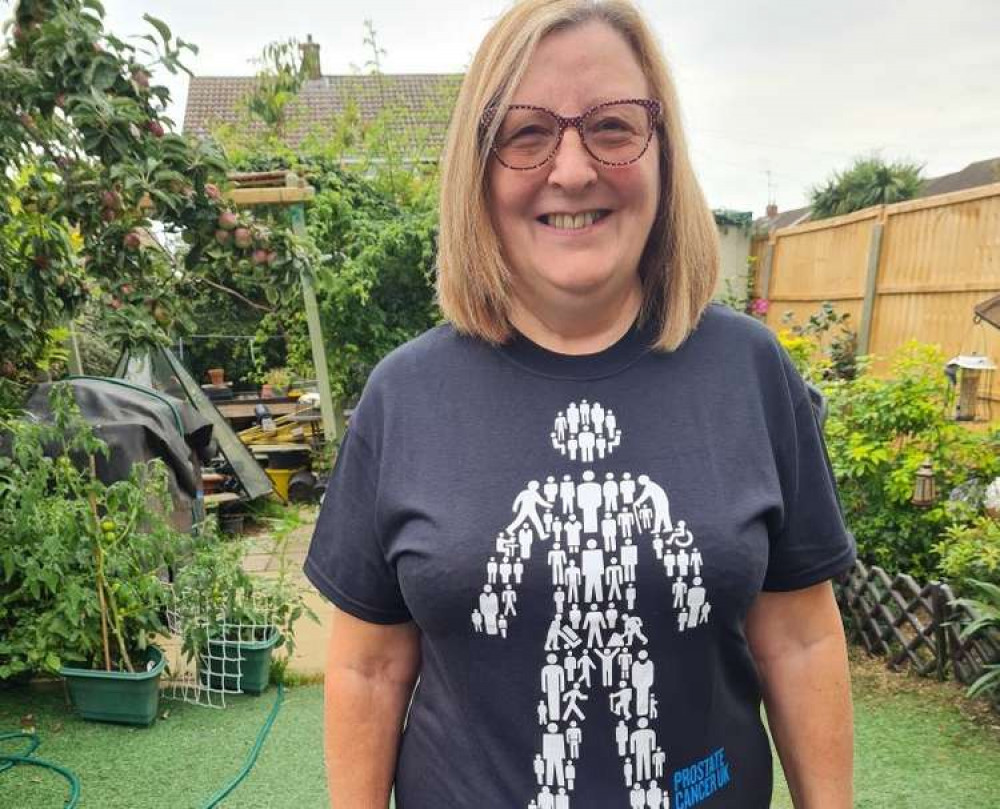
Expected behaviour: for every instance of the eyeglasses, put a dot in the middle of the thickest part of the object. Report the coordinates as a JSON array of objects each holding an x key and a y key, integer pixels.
[{"x": 615, "y": 133}]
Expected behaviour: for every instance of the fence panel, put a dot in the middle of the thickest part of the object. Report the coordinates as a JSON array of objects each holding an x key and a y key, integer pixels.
[{"x": 912, "y": 624}]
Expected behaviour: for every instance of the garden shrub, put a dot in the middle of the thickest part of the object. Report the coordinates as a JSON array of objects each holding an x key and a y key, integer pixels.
[
  {"x": 879, "y": 432},
  {"x": 970, "y": 552}
]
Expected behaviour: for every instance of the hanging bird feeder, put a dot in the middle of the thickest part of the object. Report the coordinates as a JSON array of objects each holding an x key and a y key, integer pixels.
[{"x": 970, "y": 374}]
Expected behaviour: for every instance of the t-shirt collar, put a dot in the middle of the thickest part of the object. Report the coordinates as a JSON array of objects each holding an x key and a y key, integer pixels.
[{"x": 611, "y": 360}]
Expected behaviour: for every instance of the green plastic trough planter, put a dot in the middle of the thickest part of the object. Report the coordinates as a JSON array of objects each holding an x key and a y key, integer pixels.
[
  {"x": 234, "y": 666},
  {"x": 117, "y": 696}
]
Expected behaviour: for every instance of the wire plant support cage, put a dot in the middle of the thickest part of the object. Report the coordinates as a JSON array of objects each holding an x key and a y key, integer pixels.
[{"x": 216, "y": 657}]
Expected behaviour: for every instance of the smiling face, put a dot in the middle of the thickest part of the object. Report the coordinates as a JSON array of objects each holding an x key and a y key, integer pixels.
[{"x": 554, "y": 262}]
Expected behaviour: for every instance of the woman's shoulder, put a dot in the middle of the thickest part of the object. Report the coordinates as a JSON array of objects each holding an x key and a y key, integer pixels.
[
  {"x": 722, "y": 327},
  {"x": 437, "y": 349}
]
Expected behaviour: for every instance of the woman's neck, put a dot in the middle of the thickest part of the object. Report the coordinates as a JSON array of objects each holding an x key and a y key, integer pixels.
[{"x": 585, "y": 330}]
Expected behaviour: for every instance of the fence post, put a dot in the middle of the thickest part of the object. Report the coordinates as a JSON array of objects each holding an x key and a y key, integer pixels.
[
  {"x": 940, "y": 635},
  {"x": 871, "y": 282}
]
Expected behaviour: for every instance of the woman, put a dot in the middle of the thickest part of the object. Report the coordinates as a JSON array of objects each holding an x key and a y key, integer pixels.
[{"x": 592, "y": 512}]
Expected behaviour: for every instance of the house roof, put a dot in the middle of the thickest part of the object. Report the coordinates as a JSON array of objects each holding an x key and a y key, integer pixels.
[
  {"x": 420, "y": 103},
  {"x": 982, "y": 172}
]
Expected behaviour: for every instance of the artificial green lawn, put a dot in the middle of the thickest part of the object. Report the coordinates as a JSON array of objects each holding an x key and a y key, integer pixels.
[{"x": 914, "y": 750}]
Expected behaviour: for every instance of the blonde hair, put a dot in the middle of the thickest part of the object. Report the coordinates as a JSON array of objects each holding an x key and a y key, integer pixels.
[{"x": 680, "y": 262}]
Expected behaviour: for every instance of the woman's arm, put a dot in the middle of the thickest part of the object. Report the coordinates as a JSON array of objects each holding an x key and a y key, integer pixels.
[
  {"x": 797, "y": 640},
  {"x": 370, "y": 673}
]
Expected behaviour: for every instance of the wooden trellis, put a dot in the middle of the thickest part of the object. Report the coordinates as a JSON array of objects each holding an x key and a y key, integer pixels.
[{"x": 909, "y": 623}]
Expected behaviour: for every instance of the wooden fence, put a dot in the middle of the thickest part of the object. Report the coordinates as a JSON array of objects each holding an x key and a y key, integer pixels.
[
  {"x": 912, "y": 270},
  {"x": 912, "y": 625}
]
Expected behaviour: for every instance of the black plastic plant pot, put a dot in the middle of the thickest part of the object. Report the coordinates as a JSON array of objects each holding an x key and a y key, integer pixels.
[
  {"x": 238, "y": 665},
  {"x": 117, "y": 696}
]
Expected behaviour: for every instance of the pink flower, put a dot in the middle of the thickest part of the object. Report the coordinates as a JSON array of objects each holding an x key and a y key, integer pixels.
[{"x": 759, "y": 306}]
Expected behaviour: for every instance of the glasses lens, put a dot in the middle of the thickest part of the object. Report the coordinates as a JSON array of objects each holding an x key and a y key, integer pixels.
[
  {"x": 618, "y": 133},
  {"x": 526, "y": 137}
]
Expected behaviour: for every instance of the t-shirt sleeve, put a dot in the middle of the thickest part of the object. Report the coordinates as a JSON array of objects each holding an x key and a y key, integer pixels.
[
  {"x": 812, "y": 543},
  {"x": 346, "y": 560}
]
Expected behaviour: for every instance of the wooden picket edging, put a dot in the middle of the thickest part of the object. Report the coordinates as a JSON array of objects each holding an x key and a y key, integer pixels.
[{"x": 912, "y": 624}]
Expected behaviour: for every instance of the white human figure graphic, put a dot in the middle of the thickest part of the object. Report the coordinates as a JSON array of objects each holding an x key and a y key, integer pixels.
[
  {"x": 613, "y": 577},
  {"x": 572, "y": 698},
  {"x": 489, "y": 607},
  {"x": 509, "y": 599},
  {"x": 573, "y": 416},
  {"x": 585, "y": 665},
  {"x": 597, "y": 417},
  {"x": 680, "y": 536},
  {"x": 611, "y": 614},
  {"x": 659, "y": 760},
  {"x": 588, "y": 498},
  {"x": 594, "y": 622},
  {"x": 626, "y": 522},
  {"x": 642, "y": 682},
  {"x": 561, "y": 426},
  {"x": 679, "y": 589},
  {"x": 641, "y": 744},
  {"x": 556, "y": 527},
  {"x": 554, "y": 754},
  {"x": 593, "y": 572},
  {"x": 696, "y": 561},
  {"x": 567, "y": 494},
  {"x": 609, "y": 531},
  {"x": 630, "y": 559},
  {"x": 550, "y": 489},
  {"x": 610, "y": 491},
  {"x": 557, "y": 561},
  {"x": 573, "y": 738},
  {"x": 683, "y": 560},
  {"x": 526, "y": 506},
  {"x": 669, "y": 560},
  {"x": 573, "y": 530},
  {"x": 572, "y": 577},
  {"x": 657, "y": 498},
  {"x": 593, "y": 524},
  {"x": 654, "y": 795},
  {"x": 553, "y": 682}
]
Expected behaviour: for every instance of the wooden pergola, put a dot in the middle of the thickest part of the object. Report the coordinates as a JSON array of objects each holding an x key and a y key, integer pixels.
[{"x": 287, "y": 189}]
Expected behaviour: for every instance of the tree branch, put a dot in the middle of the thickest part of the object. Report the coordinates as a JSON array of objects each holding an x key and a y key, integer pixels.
[{"x": 236, "y": 294}]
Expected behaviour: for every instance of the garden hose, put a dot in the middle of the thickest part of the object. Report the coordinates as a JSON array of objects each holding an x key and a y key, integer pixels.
[
  {"x": 27, "y": 757},
  {"x": 254, "y": 752}
]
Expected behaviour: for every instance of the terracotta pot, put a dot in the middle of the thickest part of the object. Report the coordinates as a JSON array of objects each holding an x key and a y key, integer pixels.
[{"x": 217, "y": 376}]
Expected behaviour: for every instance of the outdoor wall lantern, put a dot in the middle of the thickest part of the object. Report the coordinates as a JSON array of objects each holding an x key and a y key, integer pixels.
[
  {"x": 924, "y": 487},
  {"x": 970, "y": 373}
]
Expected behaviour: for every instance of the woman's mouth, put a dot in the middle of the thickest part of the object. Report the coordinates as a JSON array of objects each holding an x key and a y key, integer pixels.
[{"x": 568, "y": 221}]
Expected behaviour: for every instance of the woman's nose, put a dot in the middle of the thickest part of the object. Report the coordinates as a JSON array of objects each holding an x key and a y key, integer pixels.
[{"x": 573, "y": 166}]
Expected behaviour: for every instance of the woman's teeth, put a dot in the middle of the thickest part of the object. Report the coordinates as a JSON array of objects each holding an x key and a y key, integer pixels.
[{"x": 565, "y": 221}]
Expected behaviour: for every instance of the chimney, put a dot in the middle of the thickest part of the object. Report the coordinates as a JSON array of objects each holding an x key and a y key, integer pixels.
[
  {"x": 772, "y": 210},
  {"x": 310, "y": 59}
]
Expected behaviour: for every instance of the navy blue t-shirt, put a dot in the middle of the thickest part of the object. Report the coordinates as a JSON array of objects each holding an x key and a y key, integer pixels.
[{"x": 578, "y": 539}]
